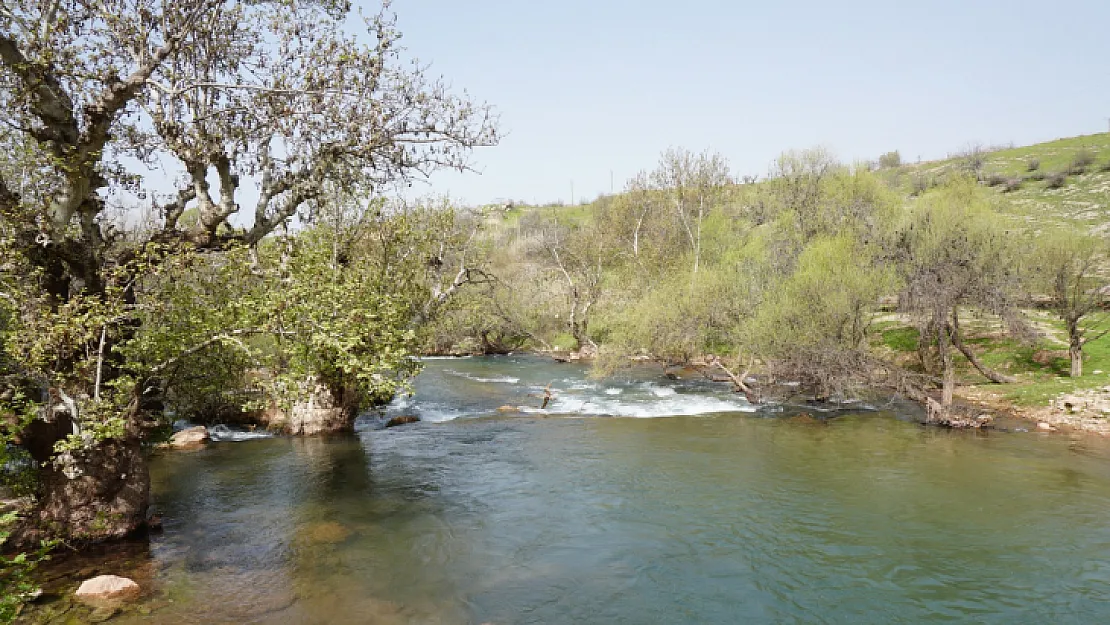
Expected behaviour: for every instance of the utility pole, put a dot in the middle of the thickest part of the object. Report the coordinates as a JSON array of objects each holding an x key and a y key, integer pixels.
[
  {"x": 572, "y": 193},
  {"x": 611, "y": 189}
]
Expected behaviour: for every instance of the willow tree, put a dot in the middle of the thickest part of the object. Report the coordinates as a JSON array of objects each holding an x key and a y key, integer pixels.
[
  {"x": 813, "y": 325},
  {"x": 955, "y": 255},
  {"x": 1069, "y": 270},
  {"x": 259, "y": 100},
  {"x": 672, "y": 202}
]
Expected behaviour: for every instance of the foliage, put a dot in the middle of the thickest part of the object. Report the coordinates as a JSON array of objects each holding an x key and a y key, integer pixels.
[
  {"x": 103, "y": 324},
  {"x": 1067, "y": 269},
  {"x": 17, "y": 583},
  {"x": 890, "y": 159}
]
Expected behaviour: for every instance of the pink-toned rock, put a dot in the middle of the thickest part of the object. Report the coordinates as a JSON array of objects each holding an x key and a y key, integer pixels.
[
  {"x": 107, "y": 588},
  {"x": 1045, "y": 427},
  {"x": 190, "y": 437}
]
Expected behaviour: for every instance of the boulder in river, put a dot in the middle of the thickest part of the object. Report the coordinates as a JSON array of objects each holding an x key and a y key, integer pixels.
[
  {"x": 190, "y": 437},
  {"x": 403, "y": 420},
  {"x": 106, "y": 588},
  {"x": 1044, "y": 426}
]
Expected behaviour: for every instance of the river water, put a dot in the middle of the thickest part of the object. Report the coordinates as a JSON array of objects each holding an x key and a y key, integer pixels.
[{"x": 632, "y": 500}]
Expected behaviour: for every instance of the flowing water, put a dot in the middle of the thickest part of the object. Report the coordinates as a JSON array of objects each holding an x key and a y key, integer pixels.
[{"x": 702, "y": 510}]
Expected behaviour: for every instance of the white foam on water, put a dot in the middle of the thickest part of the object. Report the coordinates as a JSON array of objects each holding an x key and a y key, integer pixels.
[
  {"x": 438, "y": 414},
  {"x": 614, "y": 391},
  {"x": 672, "y": 406},
  {"x": 223, "y": 433},
  {"x": 443, "y": 357},
  {"x": 504, "y": 379}
]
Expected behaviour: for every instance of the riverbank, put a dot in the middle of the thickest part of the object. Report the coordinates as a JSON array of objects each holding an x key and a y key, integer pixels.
[
  {"x": 566, "y": 516},
  {"x": 1068, "y": 404},
  {"x": 1042, "y": 390}
]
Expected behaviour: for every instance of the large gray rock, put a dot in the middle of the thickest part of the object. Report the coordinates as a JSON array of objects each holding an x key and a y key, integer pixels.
[
  {"x": 190, "y": 437},
  {"x": 322, "y": 410}
]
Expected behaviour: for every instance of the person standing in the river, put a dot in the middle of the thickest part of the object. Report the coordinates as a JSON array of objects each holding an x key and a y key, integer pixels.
[{"x": 547, "y": 396}]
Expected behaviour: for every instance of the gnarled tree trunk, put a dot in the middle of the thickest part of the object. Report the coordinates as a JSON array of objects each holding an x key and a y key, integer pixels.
[
  {"x": 1075, "y": 348},
  {"x": 325, "y": 409},
  {"x": 91, "y": 495},
  {"x": 990, "y": 374}
]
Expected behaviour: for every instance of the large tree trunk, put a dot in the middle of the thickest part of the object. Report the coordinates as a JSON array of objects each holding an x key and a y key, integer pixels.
[
  {"x": 91, "y": 495},
  {"x": 990, "y": 374},
  {"x": 325, "y": 409},
  {"x": 949, "y": 384},
  {"x": 1075, "y": 348}
]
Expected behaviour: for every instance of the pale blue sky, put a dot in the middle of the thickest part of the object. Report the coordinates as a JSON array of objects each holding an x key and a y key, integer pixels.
[{"x": 585, "y": 88}]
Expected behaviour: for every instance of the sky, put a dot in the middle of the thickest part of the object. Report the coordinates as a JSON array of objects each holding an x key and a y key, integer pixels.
[{"x": 590, "y": 93}]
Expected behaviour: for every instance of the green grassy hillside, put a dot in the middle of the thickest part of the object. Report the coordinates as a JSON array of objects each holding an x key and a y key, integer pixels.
[{"x": 1067, "y": 180}]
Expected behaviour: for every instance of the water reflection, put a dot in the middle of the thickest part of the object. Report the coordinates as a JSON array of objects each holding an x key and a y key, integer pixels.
[{"x": 727, "y": 518}]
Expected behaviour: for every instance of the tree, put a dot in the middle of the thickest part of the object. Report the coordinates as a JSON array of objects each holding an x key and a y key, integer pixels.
[
  {"x": 813, "y": 326},
  {"x": 579, "y": 254},
  {"x": 681, "y": 191},
  {"x": 890, "y": 159},
  {"x": 953, "y": 254},
  {"x": 1068, "y": 270},
  {"x": 263, "y": 94}
]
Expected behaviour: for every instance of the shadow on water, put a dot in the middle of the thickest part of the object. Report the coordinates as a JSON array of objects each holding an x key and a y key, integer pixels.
[{"x": 268, "y": 531}]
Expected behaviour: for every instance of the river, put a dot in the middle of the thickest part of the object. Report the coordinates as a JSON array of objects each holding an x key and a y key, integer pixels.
[{"x": 631, "y": 500}]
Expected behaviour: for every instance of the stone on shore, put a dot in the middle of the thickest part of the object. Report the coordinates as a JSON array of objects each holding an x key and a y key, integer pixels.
[
  {"x": 190, "y": 437},
  {"x": 103, "y": 588},
  {"x": 1044, "y": 426}
]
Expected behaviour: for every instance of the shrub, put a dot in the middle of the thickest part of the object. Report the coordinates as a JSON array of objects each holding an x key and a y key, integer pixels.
[
  {"x": 1080, "y": 162},
  {"x": 1056, "y": 180},
  {"x": 973, "y": 158},
  {"x": 996, "y": 180},
  {"x": 1105, "y": 167},
  {"x": 1011, "y": 185},
  {"x": 890, "y": 159},
  {"x": 1083, "y": 158},
  {"x": 1033, "y": 165},
  {"x": 921, "y": 184},
  {"x": 17, "y": 583},
  {"x": 1037, "y": 175}
]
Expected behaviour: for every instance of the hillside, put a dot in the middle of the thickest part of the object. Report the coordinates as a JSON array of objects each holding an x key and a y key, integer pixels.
[
  {"x": 1061, "y": 181},
  {"x": 1053, "y": 183},
  {"x": 1066, "y": 180}
]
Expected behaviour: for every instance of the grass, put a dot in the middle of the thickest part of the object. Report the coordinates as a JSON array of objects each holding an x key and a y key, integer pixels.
[
  {"x": 1080, "y": 199},
  {"x": 1032, "y": 188},
  {"x": 1039, "y": 379}
]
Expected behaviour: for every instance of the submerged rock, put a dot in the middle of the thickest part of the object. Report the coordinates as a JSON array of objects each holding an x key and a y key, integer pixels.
[
  {"x": 508, "y": 409},
  {"x": 327, "y": 532},
  {"x": 103, "y": 614},
  {"x": 405, "y": 420},
  {"x": 190, "y": 437},
  {"x": 103, "y": 588}
]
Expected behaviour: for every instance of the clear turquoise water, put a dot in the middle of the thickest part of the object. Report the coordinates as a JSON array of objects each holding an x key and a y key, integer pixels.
[{"x": 565, "y": 516}]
